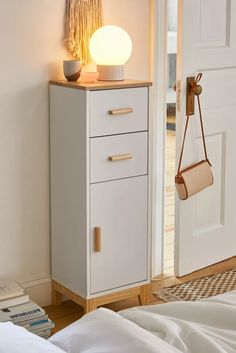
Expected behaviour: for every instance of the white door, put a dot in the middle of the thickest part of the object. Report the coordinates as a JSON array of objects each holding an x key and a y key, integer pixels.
[
  {"x": 206, "y": 223},
  {"x": 119, "y": 208}
]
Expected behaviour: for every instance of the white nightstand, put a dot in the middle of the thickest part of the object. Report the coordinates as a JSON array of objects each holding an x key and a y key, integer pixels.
[{"x": 100, "y": 231}]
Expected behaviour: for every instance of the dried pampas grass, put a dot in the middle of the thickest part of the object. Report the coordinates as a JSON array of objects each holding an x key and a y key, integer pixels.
[{"x": 82, "y": 19}]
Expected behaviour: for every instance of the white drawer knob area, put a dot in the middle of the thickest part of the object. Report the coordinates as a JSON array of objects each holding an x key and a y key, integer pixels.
[
  {"x": 128, "y": 153},
  {"x": 118, "y": 111},
  {"x": 99, "y": 169}
]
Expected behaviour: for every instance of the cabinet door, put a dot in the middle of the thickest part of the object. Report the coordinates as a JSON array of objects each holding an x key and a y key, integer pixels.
[{"x": 119, "y": 208}]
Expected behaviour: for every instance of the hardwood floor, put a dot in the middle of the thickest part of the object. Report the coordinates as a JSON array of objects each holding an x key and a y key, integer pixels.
[{"x": 68, "y": 312}]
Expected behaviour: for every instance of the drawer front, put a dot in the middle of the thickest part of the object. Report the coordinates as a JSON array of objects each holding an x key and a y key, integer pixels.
[
  {"x": 119, "y": 248},
  {"x": 118, "y": 111},
  {"x": 116, "y": 157}
]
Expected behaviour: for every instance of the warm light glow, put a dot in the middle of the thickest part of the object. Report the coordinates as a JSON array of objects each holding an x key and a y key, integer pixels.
[{"x": 110, "y": 45}]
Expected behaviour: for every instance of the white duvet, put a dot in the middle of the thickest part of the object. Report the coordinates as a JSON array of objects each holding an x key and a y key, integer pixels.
[
  {"x": 104, "y": 331},
  {"x": 207, "y": 326}
]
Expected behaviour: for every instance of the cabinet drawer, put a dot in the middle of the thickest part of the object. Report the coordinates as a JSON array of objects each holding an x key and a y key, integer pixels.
[
  {"x": 119, "y": 209},
  {"x": 116, "y": 157},
  {"x": 118, "y": 111}
]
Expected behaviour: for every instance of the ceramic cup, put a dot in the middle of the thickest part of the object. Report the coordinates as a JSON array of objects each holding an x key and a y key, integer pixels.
[{"x": 71, "y": 69}]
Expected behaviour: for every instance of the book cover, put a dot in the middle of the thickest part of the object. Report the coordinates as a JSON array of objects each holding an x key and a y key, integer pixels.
[
  {"x": 21, "y": 312},
  {"x": 10, "y": 289},
  {"x": 22, "y": 299},
  {"x": 42, "y": 327},
  {"x": 28, "y": 323},
  {"x": 44, "y": 334}
]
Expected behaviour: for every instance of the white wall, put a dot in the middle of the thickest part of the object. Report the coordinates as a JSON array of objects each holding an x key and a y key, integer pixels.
[
  {"x": 133, "y": 16},
  {"x": 31, "y": 48},
  {"x": 32, "y": 51}
]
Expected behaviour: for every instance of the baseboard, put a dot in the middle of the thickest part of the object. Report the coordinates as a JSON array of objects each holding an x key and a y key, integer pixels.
[{"x": 39, "y": 290}]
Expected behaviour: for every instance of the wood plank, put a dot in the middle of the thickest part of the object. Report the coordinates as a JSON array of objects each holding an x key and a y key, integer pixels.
[
  {"x": 57, "y": 287},
  {"x": 90, "y": 304},
  {"x": 101, "y": 85}
]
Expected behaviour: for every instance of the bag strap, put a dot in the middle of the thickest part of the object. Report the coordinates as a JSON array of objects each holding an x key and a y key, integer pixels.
[
  {"x": 197, "y": 79},
  {"x": 183, "y": 142}
]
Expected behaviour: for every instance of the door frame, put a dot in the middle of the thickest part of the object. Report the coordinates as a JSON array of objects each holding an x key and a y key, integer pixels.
[{"x": 158, "y": 74}]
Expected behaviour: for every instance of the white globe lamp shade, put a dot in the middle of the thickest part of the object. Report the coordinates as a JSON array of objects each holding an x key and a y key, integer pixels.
[{"x": 110, "y": 48}]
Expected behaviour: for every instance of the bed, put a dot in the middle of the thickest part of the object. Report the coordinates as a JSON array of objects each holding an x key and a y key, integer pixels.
[{"x": 206, "y": 326}]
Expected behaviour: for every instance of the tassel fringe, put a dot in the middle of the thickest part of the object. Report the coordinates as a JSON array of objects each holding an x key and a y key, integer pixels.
[{"x": 82, "y": 19}]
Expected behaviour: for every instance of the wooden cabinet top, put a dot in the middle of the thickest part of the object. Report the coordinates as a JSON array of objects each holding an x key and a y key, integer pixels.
[{"x": 101, "y": 85}]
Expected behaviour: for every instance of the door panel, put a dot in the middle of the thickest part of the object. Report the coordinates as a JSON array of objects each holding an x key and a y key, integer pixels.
[
  {"x": 212, "y": 35},
  {"x": 120, "y": 209},
  {"x": 205, "y": 223}
]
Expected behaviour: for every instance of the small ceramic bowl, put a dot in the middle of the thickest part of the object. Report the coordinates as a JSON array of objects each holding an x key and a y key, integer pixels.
[
  {"x": 89, "y": 77},
  {"x": 72, "y": 69}
]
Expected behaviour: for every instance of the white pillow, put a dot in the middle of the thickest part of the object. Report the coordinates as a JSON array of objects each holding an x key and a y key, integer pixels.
[
  {"x": 104, "y": 331},
  {"x": 16, "y": 339}
]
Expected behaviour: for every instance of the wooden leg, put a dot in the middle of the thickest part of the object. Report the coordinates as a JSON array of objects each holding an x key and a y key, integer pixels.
[
  {"x": 56, "y": 296},
  {"x": 144, "y": 295},
  {"x": 90, "y": 305}
]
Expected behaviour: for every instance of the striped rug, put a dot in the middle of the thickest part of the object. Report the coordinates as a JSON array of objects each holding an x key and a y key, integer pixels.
[{"x": 201, "y": 288}]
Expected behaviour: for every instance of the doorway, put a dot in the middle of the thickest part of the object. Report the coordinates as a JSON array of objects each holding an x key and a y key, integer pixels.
[
  {"x": 205, "y": 224},
  {"x": 170, "y": 138}
]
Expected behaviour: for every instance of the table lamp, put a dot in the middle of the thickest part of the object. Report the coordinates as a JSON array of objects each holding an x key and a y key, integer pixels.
[{"x": 110, "y": 48}]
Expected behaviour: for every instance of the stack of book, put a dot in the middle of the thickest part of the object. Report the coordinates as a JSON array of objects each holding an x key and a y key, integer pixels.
[{"x": 15, "y": 306}]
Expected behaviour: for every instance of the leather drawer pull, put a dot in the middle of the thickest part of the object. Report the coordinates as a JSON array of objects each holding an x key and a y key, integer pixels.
[
  {"x": 120, "y": 157},
  {"x": 120, "y": 111},
  {"x": 97, "y": 239}
]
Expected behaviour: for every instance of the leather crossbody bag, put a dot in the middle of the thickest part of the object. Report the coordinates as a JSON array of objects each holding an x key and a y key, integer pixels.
[{"x": 198, "y": 176}]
